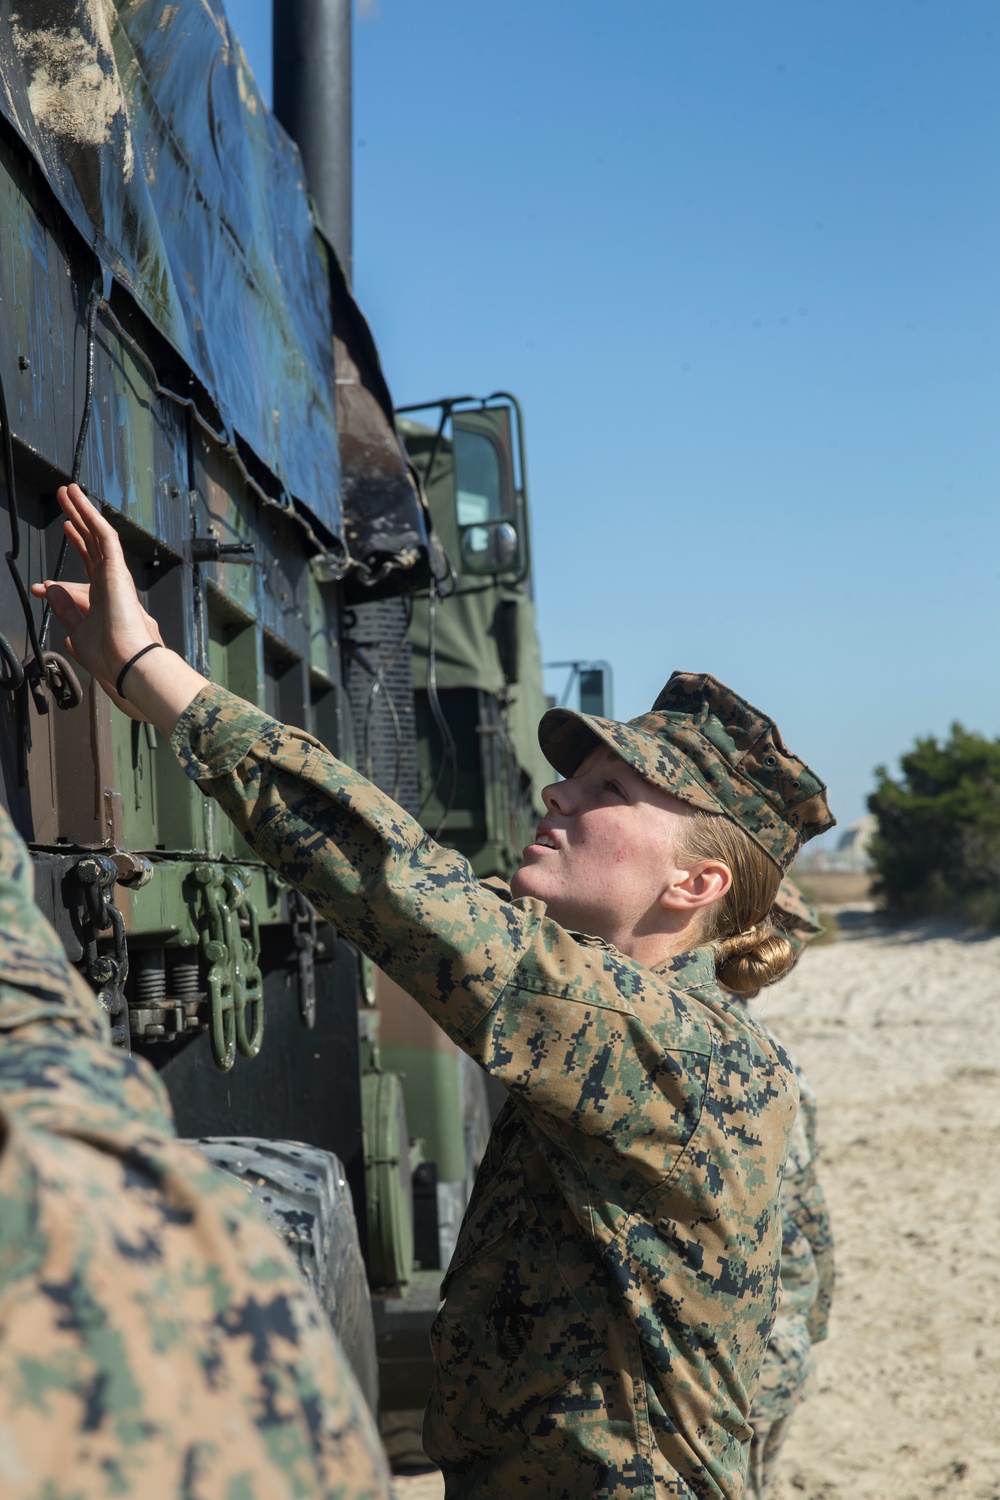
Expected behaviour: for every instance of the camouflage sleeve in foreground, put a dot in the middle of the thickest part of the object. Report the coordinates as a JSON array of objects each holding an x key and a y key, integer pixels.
[
  {"x": 155, "y": 1341},
  {"x": 615, "y": 1278}
]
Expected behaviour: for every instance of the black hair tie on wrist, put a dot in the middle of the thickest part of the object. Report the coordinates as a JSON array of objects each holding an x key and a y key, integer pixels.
[{"x": 131, "y": 663}]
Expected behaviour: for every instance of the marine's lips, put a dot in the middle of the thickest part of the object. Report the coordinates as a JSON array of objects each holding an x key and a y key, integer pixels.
[{"x": 544, "y": 838}]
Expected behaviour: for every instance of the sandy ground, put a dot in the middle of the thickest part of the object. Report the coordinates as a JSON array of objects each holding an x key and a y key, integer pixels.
[
  {"x": 899, "y": 1031},
  {"x": 418, "y": 1486}
]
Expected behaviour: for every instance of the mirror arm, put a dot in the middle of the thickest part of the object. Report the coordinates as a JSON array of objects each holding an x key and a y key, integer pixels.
[{"x": 436, "y": 445}]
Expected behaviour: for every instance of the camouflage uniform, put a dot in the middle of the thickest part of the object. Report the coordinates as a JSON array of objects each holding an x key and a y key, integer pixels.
[
  {"x": 807, "y": 1261},
  {"x": 788, "y": 1373},
  {"x": 613, "y": 1286},
  {"x": 155, "y": 1339}
]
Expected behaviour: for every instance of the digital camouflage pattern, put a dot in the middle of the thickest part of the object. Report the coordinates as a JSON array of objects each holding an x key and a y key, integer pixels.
[
  {"x": 807, "y": 1255},
  {"x": 615, "y": 1278},
  {"x": 807, "y": 1274},
  {"x": 795, "y": 915},
  {"x": 155, "y": 1339},
  {"x": 706, "y": 745}
]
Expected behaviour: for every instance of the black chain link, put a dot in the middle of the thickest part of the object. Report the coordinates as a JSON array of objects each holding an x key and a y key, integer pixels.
[
  {"x": 307, "y": 946},
  {"x": 107, "y": 971}
]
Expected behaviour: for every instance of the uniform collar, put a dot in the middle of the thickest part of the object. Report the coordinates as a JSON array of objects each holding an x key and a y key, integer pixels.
[{"x": 687, "y": 970}]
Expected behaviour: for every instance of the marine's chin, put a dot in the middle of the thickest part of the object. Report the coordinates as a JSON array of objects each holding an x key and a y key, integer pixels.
[{"x": 528, "y": 880}]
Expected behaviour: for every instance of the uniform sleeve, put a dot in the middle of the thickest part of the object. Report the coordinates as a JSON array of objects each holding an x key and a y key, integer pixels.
[
  {"x": 36, "y": 980},
  {"x": 57, "y": 1069},
  {"x": 808, "y": 1208},
  {"x": 415, "y": 908},
  {"x": 813, "y": 1218},
  {"x": 556, "y": 1018}
]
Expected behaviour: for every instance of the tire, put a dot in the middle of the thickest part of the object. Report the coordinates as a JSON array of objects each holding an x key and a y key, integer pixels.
[{"x": 303, "y": 1192}]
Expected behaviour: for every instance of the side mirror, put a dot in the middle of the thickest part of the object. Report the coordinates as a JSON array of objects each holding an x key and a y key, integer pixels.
[
  {"x": 473, "y": 474},
  {"x": 487, "y": 505}
]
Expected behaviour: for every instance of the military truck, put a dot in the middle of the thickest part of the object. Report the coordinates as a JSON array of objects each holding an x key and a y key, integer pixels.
[{"x": 180, "y": 337}]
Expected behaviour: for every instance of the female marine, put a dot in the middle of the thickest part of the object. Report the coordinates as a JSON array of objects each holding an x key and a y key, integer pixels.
[{"x": 614, "y": 1283}]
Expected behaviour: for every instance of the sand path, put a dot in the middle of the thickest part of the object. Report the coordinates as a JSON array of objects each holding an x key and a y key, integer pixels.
[{"x": 899, "y": 1031}]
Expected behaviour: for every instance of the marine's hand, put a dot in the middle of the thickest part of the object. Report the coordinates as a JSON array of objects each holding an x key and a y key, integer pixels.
[
  {"x": 106, "y": 625},
  {"x": 104, "y": 622}
]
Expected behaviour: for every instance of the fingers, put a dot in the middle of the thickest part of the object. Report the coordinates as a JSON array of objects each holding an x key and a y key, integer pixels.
[
  {"x": 78, "y": 525},
  {"x": 77, "y": 534},
  {"x": 94, "y": 538},
  {"x": 78, "y": 592},
  {"x": 69, "y": 527},
  {"x": 66, "y": 600}
]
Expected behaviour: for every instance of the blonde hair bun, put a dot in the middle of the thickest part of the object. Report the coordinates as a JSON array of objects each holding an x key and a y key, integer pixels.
[{"x": 748, "y": 961}]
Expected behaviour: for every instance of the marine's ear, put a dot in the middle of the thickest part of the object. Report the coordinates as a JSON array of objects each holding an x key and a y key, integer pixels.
[{"x": 704, "y": 882}]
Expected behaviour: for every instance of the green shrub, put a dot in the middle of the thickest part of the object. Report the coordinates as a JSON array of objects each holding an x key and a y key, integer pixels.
[{"x": 937, "y": 847}]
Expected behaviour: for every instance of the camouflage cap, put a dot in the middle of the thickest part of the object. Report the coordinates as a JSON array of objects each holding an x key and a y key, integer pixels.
[
  {"x": 704, "y": 744},
  {"x": 793, "y": 914}
]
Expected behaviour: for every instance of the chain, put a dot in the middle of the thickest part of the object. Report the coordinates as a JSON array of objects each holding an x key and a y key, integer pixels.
[
  {"x": 232, "y": 956},
  {"x": 215, "y": 951},
  {"x": 307, "y": 946},
  {"x": 107, "y": 971},
  {"x": 245, "y": 950}
]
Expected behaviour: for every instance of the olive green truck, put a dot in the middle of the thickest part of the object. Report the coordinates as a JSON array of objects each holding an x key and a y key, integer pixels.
[{"x": 179, "y": 335}]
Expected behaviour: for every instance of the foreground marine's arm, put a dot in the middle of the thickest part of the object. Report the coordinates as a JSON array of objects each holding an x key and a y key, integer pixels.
[
  {"x": 153, "y": 1333},
  {"x": 56, "y": 1065}
]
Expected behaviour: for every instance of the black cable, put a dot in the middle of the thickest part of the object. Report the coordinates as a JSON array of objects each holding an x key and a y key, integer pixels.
[
  {"x": 93, "y": 304},
  {"x": 433, "y": 700},
  {"x": 449, "y": 750},
  {"x": 13, "y": 674}
]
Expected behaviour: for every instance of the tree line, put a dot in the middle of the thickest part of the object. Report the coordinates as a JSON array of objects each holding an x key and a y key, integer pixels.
[{"x": 936, "y": 850}]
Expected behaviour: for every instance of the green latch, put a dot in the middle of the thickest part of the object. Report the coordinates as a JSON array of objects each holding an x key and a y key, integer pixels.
[{"x": 232, "y": 959}]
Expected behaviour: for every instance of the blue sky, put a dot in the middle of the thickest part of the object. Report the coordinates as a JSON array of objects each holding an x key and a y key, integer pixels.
[{"x": 740, "y": 264}]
